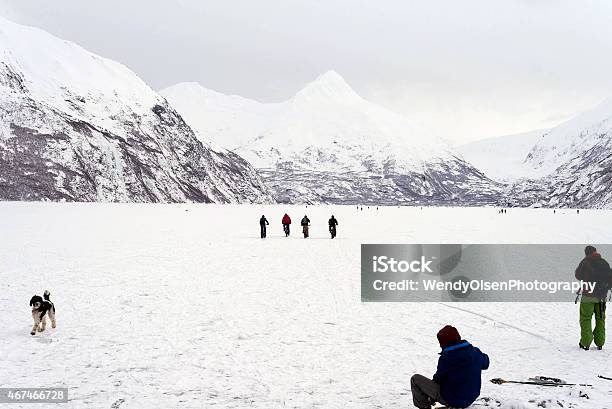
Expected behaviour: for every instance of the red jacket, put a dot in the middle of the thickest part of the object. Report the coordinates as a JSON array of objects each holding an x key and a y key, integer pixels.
[{"x": 286, "y": 219}]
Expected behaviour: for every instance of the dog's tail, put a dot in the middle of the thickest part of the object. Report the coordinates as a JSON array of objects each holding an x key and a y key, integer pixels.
[{"x": 46, "y": 295}]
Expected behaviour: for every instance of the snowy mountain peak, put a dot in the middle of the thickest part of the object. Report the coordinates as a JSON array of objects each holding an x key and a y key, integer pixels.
[
  {"x": 330, "y": 86},
  {"x": 329, "y": 145},
  {"x": 56, "y": 71}
]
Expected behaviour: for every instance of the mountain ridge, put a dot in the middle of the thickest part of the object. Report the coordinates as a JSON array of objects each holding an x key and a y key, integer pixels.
[
  {"x": 328, "y": 130},
  {"x": 79, "y": 127}
]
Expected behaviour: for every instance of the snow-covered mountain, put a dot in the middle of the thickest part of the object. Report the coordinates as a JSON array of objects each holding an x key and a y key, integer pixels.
[
  {"x": 75, "y": 126},
  {"x": 571, "y": 165},
  {"x": 329, "y": 145},
  {"x": 571, "y": 139},
  {"x": 502, "y": 157}
]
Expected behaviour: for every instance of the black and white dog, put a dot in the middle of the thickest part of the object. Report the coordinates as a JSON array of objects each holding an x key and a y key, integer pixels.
[{"x": 41, "y": 307}]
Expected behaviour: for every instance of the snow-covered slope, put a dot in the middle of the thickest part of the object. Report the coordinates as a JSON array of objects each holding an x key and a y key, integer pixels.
[
  {"x": 571, "y": 139},
  {"x": 328, "y": 144},
  {"x": 502, "y": 157},
  {"x": 76, "y": 126},
  {"x": 571, "y": 165},
  {"x": 229, "y": 118}
]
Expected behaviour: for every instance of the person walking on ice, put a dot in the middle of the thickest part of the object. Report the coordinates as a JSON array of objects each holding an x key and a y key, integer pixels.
[
  {"x": 332, "y": 226},
  {"x": 263, "y": 222},
  {"x": 457, "y": 381},
  {"x": 593, "y": 269},
  {"x": 286, "y": 223},
  {"x": 305, "y": 223}
]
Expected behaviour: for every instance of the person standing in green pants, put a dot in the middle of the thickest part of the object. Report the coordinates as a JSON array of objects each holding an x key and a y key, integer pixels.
[{"x": 595, "y": 270}]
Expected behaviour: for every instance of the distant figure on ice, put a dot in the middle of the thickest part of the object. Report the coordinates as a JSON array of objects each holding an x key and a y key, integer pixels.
[
  {"x": 593, "y": 269},
  {"x": 286, "y": 222},
  {"x": 332, "y": 222},
  {"x": 263, "y": 222},
  {"x": 457, "y": 381},
  {"x": 305, "y": 223}
]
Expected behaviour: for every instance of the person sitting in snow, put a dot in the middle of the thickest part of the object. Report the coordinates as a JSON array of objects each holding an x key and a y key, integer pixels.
[{"x": 457, "y": 381}]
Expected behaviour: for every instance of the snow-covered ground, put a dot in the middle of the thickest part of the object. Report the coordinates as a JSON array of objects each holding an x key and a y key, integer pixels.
[{"x": 183, "y": 306}]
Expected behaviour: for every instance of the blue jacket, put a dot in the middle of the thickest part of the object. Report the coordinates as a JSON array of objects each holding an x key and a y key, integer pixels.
[{"x": 458, "y": 373}]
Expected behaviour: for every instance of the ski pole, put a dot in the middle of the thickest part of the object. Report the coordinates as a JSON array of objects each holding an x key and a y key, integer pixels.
[
  {"x": 499, "y": 381},
  {"x": 577, "y": 297},
  {"x": 604, "y": 377}
]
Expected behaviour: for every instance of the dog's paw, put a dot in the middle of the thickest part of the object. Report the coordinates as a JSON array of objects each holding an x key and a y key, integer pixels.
[{"x": 41, "y": 329}]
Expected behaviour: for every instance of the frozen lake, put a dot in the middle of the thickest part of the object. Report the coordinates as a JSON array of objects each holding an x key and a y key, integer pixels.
[{"x": 169, "y": 306}]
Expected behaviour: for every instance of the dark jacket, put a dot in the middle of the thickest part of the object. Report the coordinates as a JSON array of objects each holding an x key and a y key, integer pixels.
[
  {"x": 586, "y": 273},
  {"x": 263, "y": 221},
  {"x": 332, "y": 222},
  {"x": 305, "y": 221},
  {"x": 458, "y": 373}
]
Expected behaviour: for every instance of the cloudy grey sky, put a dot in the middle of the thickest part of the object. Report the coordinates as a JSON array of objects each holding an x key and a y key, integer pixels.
[{"x": 466, "y": 69}]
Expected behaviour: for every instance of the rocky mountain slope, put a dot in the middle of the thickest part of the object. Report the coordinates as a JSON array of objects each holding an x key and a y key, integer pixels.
[
  {"x": 571, "y": 165},
  {"x": 329, "y": 145},
  {"x": 78, "y": 127}
]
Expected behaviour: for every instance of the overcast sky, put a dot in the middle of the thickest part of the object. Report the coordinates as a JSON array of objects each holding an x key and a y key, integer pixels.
[{"x": 466, "y": 69}]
